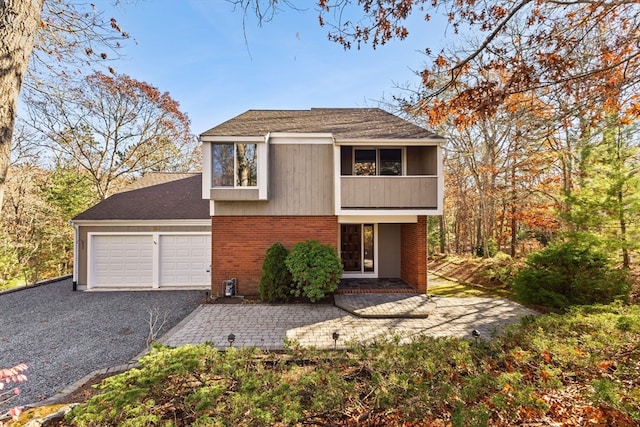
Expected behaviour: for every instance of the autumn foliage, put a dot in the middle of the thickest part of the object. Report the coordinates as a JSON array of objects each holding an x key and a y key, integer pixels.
[
  {"x": 524, "y": 46},
  {"x": 11, "y": 376}
]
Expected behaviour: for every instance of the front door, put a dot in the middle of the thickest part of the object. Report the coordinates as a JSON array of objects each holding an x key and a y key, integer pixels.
[
  {"x": 357, "y": 249},
  {"x": 351, "y": 247}
]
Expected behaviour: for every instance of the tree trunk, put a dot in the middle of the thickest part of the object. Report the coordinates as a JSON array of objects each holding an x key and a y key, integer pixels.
[
  {"x": 626, "y": 259},
  {"x": 514, "y": 222},
  {"x": 19, "y": 23},
  {"x": 443, "y": 234}
]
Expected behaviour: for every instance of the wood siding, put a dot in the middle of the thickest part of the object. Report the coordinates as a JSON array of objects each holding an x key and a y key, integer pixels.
[
  {"x": 234, "y": 194},
  {"x": 389, "y": 248},
  {"x": 300, "y": 183},
  {"x": 422, "y": 160},
  {"x": 397, "y": 192}
]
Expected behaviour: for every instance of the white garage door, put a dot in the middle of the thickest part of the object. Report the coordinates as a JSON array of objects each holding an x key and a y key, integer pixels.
[
  {"x": 185, "y": 260},
  {"x": 122, "y": 260}
]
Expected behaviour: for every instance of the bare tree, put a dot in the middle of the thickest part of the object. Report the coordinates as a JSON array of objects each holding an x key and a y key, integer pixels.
[
  {"x": 19, "y": 22},
  {"x": 114, "y": 127},
  {"x": 44, "y": 38}
]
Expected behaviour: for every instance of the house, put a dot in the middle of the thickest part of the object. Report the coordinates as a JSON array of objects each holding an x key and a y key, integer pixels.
[{"x": 359, "y": 179}]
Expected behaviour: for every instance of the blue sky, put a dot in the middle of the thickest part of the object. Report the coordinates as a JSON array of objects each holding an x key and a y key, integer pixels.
[{"x": 196, "y": 50}]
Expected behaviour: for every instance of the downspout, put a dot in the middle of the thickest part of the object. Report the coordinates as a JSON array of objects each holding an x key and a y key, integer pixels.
[{"x": 76, "y": 240}]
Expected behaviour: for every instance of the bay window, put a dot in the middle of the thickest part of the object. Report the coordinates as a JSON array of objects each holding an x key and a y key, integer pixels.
[{"x": 234, "y": 165}]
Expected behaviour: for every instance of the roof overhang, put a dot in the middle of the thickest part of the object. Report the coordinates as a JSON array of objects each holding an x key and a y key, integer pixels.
[
  {"x": 230, "y": 139},
  {"x": 390, "y": 141},
  {"x": 139, "y": 222}
]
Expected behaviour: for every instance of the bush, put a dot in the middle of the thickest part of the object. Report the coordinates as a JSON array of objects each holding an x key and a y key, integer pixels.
[
  {"x": 501, "y": 268},
  {"x": 492, "y": 249},
  {"x": 569, "y": 273},
  {"x": 316, "y": 269},
  {"x": 547, "y": 370},
  {"x": 275, "y": 282}
]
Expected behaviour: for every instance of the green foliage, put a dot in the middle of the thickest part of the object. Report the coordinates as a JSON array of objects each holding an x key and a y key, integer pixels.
[
  {"x": 577, "y": 271},
  {"x": 435, "y": 234},
  {"x": 207, "y": 387},
  {"x": 69, "y": 190},
  {"x": 36, "y": 241},
  {"x": 275, "y": 282},
  {"x": 315, "y": 268},
  {"x": 492, "y": 249},
  {"x": 501, "y": 268},
  {"x": 607, "y": 199},
  {"x": 537, "y": 372},
  {"x": 9, "y": 265}
]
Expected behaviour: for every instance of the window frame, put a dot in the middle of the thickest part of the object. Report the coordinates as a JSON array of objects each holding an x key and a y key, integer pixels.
[
  {"x": 235, "y": 165},
  {"x": 403, "y": 160}
]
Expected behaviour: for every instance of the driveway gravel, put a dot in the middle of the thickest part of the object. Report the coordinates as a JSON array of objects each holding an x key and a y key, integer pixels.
[{"x": 64, "y": 335}]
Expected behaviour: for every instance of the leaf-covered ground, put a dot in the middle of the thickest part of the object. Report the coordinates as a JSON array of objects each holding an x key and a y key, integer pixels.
[{"x": 581, "y": 368}]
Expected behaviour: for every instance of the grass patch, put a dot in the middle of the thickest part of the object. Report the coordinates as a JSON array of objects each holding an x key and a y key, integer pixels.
[
  {"x": 454, "y": 289},
  {"x": 12, "y": 283},
  {"x": 445, "y": 287},
  {"x": 584, "y": 365}
]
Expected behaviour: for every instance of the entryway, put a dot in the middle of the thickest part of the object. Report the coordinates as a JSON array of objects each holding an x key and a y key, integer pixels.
[
  {"x": 361, "y": 285},
  {"x": 357, "y": 248}
]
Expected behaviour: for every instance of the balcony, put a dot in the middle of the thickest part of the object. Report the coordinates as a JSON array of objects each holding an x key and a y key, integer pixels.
[{"x": 389, "y": 192}]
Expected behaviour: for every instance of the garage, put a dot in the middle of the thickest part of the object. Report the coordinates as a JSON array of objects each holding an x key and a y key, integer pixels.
[
  {"x": 185, "y": 260},
  {"x": 155, "y": 260},
  {"x": 154, "y": 234}
]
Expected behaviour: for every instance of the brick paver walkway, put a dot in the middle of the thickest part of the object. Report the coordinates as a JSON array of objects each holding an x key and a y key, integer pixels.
[{"x": 267, "y": 326}]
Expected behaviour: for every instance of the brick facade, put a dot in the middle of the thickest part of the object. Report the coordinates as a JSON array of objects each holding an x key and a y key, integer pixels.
[
  {"x": 414, "y": 254},
  {"x": 239, "y": 244}
]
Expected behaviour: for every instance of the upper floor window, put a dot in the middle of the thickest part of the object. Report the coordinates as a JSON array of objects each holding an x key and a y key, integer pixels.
[
  {"x": 234, "y": 165},
  {"x": 377, "y": 161}
]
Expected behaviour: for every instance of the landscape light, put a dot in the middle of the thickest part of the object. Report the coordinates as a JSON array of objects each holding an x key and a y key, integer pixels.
[{"x": 476, "y": 334}]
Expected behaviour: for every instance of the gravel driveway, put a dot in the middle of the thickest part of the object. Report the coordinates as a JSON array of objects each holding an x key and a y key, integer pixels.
[{"x": 64, "y": 335}]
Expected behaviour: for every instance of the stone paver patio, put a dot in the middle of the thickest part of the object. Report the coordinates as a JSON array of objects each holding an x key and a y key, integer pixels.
[{"x": 267, "y": 326}]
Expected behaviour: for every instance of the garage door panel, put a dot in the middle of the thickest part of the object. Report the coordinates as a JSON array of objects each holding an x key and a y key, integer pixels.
[
  {"x": 184, "y": 260},
  {"x": 122, "y": 260}
]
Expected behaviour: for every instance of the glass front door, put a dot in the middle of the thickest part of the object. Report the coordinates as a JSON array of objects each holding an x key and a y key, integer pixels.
[{"x": 357, "y": 248}]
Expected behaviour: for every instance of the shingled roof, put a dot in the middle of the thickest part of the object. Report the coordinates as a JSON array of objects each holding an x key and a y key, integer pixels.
[
  {"x": 343, "y": 123},
  {"x": 157, "y": 196}
]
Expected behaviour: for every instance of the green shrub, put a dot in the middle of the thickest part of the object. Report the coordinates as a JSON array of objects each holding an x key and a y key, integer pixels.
[
  {"x": 492, "y": 249},
  {"x": 501, "y": 268},
  {"x": 275, "y": 282},
  {"x": 568, "y": 273},
  {"x": 545, "y": 370},
  {"x": 316, "y": 269}
]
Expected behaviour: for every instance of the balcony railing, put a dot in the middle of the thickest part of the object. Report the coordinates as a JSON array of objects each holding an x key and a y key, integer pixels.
[{"x": 389, "y": 192}]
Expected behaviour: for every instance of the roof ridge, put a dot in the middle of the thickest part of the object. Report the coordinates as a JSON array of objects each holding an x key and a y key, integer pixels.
[{"x": 343, "y": 122}]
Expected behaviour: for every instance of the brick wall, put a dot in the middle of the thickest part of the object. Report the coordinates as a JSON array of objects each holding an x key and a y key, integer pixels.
[
  {"x": 414, "y": 254},
  {"x": 239, "y": 244}
]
